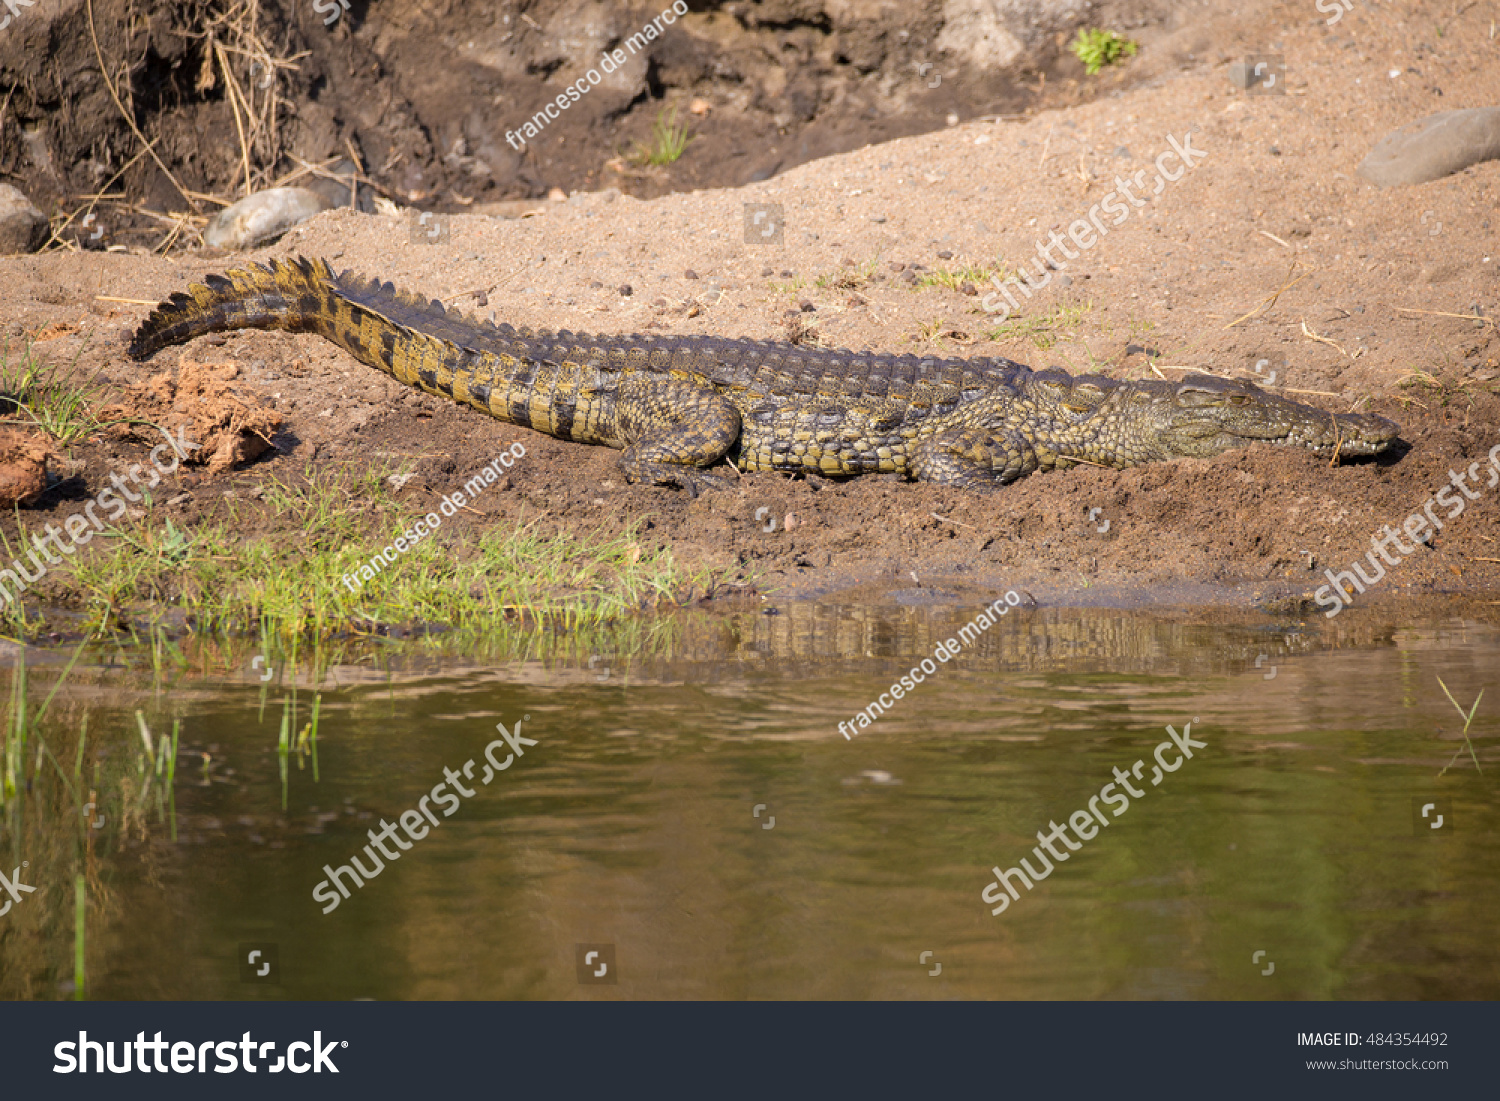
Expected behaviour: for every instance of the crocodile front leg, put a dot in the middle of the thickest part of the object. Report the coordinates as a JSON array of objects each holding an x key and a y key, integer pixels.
[
  {"x": 973, "y": 458},
  {"x": 672, "y": 426}
]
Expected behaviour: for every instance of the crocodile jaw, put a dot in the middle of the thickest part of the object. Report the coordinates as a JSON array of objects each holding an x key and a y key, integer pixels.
[{"x": 1205, "y": 416}]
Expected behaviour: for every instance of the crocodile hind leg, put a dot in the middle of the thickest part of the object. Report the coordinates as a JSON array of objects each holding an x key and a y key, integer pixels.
[
  {"x": 670, "y": 428},
  {"x": 973, "y": 458}
]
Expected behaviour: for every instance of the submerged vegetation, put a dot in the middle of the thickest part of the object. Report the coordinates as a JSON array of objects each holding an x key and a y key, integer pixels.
[
  {"x": 68, "y": 799},
  {"x": 93, "y": 758}
]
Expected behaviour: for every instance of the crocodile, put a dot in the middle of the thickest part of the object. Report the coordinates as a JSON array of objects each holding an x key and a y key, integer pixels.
[{"x": 676, "y": 405}]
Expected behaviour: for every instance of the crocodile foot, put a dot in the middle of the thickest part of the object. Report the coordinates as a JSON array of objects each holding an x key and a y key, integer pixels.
[
  {"x": 690, "y": 478},
  {"x": 973, "y": 458}
]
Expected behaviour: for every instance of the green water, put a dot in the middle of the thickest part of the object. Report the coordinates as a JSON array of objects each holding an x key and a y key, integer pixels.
[{"x": 633, "y": 821}]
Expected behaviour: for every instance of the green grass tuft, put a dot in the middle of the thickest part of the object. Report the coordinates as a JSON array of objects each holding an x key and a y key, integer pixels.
[
  {"x": 1098, "y": 48},
  {"x": 1044, "y": 330},
  {"x": 48, "y": 395},
  {"x": 955, "y": 278},
  {"x": 219, "y": 581},
  {"x": 668, "y": 140}
]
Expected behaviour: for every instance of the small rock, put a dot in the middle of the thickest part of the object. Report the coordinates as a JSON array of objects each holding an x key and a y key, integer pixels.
[
  {"x": 1433, "y": 147},
  {"x": 805, "y": 306},
  {"x": 699, "y": 107},
  {"x": 625, "y": 290},
  {"x": 262, "y": 217},
  {"x": 878, "y": 219},
  {"x": 766, "y": 273},
  {"x": 896, "y": 266},
  {"x": 557, "y": 195},
  {"x": 968, "y": 288},
  {"x": 690, "y": 274},
  {"x": 337, "y": 192},
  {"x": 946, "y": 254},
  {"x": 1275, "y": 150},
  {"x": 23, "y": 228}
]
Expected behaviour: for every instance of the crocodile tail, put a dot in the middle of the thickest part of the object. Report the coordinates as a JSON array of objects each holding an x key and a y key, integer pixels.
[{"x": 296, "y": 295}]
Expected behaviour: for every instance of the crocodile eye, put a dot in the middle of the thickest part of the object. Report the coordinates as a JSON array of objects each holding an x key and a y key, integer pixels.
[{"x": 1197, "y": 395}]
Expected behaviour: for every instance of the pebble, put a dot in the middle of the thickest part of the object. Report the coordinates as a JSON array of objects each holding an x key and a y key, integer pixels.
[
  {"x": 336, "y": 192},
  {"x": 23, "y": 228},
  {"x": 946, "y": 254},
  {"x": 1433, "y": 147},
  {"x": 625, "y": 290},
  {"x": 690, "y": 274},
  {"x": 1241, "y": 75},
  {"x": 262, "y": 217}
]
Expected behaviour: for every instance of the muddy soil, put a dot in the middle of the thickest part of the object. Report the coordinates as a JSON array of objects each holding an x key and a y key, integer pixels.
[
  {"x": 1270, "y": 255},
  {"x": 426, "y": 100}
]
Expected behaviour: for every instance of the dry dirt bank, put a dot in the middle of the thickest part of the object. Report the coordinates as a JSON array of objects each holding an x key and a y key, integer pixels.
[{"x": 1374, "y": 321}]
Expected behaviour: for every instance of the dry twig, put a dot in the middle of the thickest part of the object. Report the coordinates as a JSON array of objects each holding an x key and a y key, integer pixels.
[{"x": 134, "y": 129}]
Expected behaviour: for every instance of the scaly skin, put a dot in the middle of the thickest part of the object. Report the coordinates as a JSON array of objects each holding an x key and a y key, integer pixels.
[{"x": 675, "y": 405}]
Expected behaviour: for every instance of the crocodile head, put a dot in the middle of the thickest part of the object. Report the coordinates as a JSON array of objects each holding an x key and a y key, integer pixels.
[{"x": 1205, "y": 415}]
